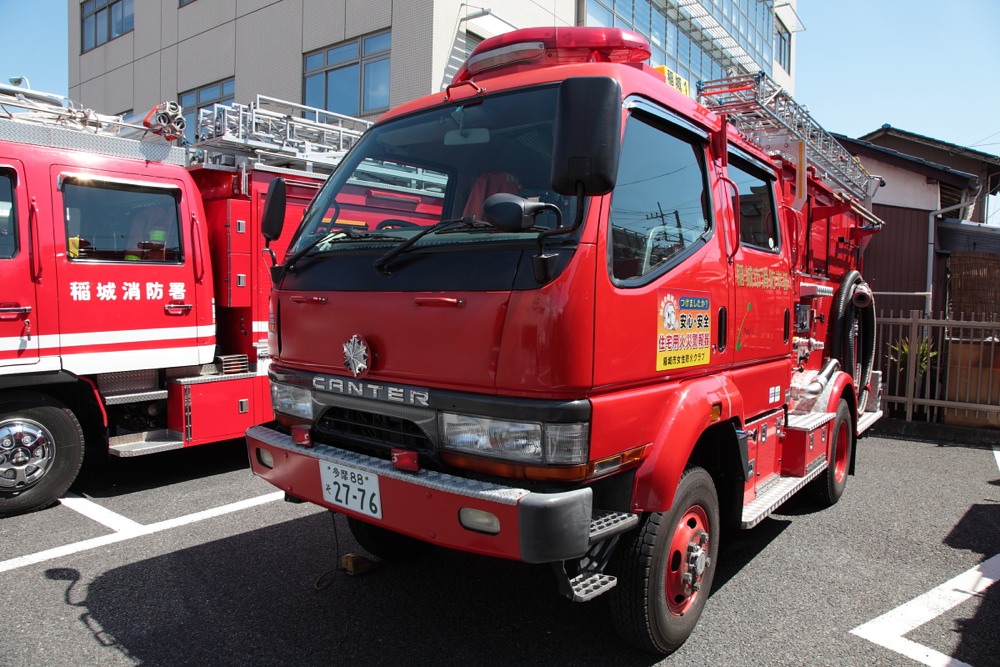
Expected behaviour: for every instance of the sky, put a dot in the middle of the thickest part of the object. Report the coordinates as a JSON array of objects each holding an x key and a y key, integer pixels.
[{"x": 926, "y": 66}]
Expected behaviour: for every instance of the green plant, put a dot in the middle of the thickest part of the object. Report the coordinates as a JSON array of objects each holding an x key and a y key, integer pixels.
[{"x": 899, "y": 354}]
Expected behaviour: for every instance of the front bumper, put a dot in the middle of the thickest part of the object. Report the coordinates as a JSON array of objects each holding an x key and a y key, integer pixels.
[{"x": 534, "y": 527}]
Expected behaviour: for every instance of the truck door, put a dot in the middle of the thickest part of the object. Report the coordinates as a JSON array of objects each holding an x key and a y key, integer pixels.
[
  {"x": 18, "y": 302},
  {"x": 660, "y": 315},
  {"x": 127, "y": 283},
  {"x": 761, "y": 317}
]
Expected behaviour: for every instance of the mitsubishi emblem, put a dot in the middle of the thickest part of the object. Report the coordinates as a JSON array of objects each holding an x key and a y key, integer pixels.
[{"x": 356, "y": 356}]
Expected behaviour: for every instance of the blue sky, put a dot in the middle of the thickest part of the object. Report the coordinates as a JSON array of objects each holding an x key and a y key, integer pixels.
[{"x": 925, "y": 66}]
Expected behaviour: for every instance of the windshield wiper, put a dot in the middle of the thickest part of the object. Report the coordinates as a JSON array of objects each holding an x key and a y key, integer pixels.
[
  {"x": 382, "y": 263},
  {"x": 290, "y": 262}
]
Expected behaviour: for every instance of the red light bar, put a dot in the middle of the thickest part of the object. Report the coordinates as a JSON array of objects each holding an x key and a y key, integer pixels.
[{"x": 554, "y": 46}]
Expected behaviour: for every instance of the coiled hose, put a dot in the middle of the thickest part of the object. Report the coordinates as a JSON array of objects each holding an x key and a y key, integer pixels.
[{"x": 844, "y": 344}]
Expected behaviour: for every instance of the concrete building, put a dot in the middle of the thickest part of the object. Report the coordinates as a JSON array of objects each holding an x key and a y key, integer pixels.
[{"x": 360, "y": 57}]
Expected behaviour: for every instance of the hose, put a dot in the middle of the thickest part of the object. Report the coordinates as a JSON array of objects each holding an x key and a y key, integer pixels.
[{"x": 842, "y": 344}]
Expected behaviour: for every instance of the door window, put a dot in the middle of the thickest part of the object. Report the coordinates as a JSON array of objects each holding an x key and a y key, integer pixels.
[
  {"x": 8, "y": 218},
  {"x": 116, "y": 222},
  {"x": 659, "y": 210},
  {"x": 758, "y": 222}
]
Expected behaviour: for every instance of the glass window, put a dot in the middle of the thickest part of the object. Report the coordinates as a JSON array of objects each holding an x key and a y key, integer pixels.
[
  {"x": 782, "y": 46},
  {"x": 8, "y": 218},
  {"x": 342, "y": 90},
  {"x": 193, "y": 101},
  {"x": 103, "y": 21},
  {"x": 659, "y": 209},
  {"x": 598, "y": 15},
  {"x": 115, "y": 223},
  {"x": 758, "y": 219},
  {"x": 350, "y": 78}
]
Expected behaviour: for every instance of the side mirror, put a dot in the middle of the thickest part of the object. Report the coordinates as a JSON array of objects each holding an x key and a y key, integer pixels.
[
  {"x": 587, "y": 142},
  {"x": 273, "y": 217},
  {"x": 510, "y": 213}
]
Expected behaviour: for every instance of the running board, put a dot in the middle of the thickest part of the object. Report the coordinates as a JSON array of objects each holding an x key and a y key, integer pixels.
[
  {"x": 770, "y": 500},
  {"x": 146, "y": 442},
  {"x": 866, "y": 420}
]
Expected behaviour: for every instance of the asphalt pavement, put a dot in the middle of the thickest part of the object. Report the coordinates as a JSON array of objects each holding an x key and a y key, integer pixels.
[{"x": 185, "y": 558}]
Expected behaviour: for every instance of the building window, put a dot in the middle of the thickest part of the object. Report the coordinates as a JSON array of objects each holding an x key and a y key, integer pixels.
[
  {"x": 104, "y": 20},
  {"x": 351, "y": 78},
  {"x": 186, "y": 2},
  {"x": 782, "y": 45},
  {"x": 193, "y": 101}
]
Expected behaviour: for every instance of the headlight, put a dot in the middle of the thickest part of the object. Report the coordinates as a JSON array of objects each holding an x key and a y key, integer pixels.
[
  {"x": 291, "y": 400},
  {"x": 528, "y": 442}
]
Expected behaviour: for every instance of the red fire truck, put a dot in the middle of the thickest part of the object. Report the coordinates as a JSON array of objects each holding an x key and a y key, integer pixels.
[
  {"x": 133, "y": 317},
  {"x": 622, "y": 321}
]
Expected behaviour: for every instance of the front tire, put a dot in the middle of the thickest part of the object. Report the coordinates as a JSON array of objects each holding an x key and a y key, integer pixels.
[
  {"x": 41, "y": 451},
  {"x": 666, "y": 566}
]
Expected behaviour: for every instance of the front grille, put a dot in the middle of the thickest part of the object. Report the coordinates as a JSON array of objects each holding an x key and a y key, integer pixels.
[{"x": 371, "y": 430}]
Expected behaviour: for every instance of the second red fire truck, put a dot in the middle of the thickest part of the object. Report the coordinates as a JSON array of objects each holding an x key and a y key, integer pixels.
[
  {"x": 603, "y": 322},
  {"x": 133, "y": 312}
]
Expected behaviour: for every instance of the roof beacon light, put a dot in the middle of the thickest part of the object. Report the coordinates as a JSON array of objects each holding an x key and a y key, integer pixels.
[{"x": 554, "y": 46}]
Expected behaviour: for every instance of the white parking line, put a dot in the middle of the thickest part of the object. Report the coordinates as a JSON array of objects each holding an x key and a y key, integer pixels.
[
  {"x": 101, "y": 515},
  {"x": 133, "y": 530},
  {"x": 889, "y": 629}
]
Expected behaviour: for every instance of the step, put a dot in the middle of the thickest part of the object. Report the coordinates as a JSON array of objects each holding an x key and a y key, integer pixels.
[
  {"x": 135, "y": 397},
  {"x": 778, "y": 493},
  {"x": 145, "y": 442},
  {"x": 867, "y": 419},
  {"x": 809, "y": 421},
  {"x": 605, "y": 524},
  {"x": 589, "y": 585}
]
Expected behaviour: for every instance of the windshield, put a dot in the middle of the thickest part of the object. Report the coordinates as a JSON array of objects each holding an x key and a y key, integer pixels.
[{"x": 439, "y": 165}]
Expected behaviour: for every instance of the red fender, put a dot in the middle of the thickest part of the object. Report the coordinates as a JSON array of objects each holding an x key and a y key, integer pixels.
[{"x": 685, "y": 417}]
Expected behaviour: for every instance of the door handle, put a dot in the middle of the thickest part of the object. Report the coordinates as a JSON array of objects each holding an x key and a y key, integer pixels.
[
  {"x": 13, "y": 311},
  {"x": 177, "y": 308}
]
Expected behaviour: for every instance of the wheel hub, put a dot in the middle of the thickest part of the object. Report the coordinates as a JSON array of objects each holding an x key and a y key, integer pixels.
[
  {"x": 697, "y": 562},
  {"x": 687, "y": 561},
  {"x": 26, "y": 453}
]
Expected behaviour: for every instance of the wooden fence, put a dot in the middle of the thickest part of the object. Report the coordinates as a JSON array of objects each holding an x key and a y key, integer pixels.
[{"x": 940, "y": 370}]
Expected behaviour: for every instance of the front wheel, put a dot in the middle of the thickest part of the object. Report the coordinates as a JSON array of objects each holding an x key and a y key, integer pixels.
[
  {"x": 41, "y": 450},
  {"x": 666, "y": 566}
]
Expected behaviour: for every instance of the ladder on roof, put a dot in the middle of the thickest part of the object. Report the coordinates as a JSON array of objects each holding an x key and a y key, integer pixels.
[
  {"x": 764, "y": 112},
  {"x": 274, "y": 131},
  {"x": 34, "y": 106}
]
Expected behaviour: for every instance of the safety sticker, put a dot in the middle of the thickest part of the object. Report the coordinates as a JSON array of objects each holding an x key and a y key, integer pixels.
[{"x": 684, "y": 330}]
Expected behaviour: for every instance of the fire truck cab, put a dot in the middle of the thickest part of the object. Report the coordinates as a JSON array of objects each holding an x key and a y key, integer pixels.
[{"x": 623, "y": 321}]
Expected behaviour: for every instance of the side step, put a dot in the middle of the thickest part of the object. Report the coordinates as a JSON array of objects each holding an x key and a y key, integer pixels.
[
  {"x": 592, "y": 581},
  {"x": 589, "y": 585},
  {"x": 605, "y": 524},
  {"x": 770, "y": 500},
  {"x": 867, "y": 419},
  {"x": 146, "y": 442}
]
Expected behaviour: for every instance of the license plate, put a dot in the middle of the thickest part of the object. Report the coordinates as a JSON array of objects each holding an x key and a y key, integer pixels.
[{"x": 351, "y": 488}]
